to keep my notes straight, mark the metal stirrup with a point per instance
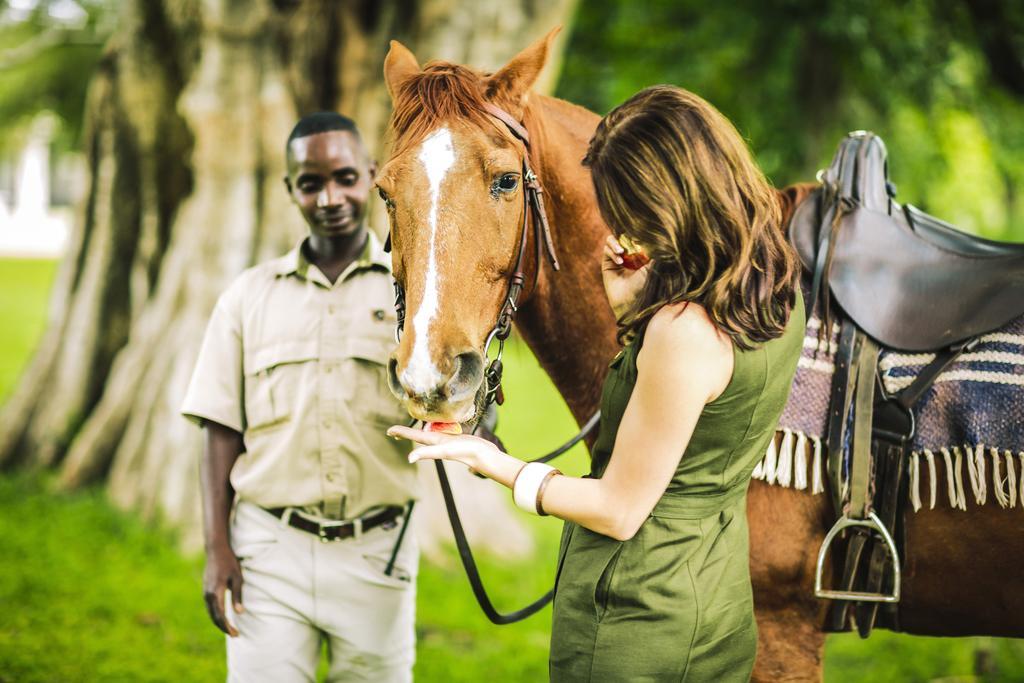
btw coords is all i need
(874, 524)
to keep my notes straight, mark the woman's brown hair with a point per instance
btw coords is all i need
(674, 175)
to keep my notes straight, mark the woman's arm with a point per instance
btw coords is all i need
(684, 363)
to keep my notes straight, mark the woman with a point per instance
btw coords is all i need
(653, 581)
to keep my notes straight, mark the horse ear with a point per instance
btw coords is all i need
(510, 85)
(399, 66)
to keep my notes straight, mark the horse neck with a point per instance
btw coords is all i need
(566, 321)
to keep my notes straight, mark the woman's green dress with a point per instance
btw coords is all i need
(674, 602)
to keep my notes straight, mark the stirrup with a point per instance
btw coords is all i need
(875, 524)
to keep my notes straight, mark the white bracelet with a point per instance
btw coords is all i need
(527, 485)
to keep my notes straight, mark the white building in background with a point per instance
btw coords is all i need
(34, 222)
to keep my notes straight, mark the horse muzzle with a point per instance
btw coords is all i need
(445, 394)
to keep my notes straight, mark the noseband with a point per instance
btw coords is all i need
(533, 204)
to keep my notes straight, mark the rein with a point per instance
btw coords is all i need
(533, 204)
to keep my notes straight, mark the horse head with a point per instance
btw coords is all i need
(453, 187)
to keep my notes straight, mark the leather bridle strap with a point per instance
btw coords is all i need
(534, 190)
(533, 203)
(590, 425)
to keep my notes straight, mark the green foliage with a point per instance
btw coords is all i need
(46, 64)
(796, 75)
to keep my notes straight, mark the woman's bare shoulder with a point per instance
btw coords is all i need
(684, 344)
(685, 325)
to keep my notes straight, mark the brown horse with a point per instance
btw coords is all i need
(453, 191)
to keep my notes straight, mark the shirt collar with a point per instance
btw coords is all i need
(372, 256)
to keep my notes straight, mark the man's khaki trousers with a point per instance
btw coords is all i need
(298, 592)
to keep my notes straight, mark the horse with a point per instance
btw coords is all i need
(453, 187)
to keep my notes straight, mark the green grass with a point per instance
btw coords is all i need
(88, 593)
(24, 289)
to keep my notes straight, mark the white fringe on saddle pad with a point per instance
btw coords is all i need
(786, 464)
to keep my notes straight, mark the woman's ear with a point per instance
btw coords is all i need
(509, 87)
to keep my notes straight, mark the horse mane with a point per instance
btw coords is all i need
(441, 92)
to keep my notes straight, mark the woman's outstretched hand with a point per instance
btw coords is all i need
(471, 451)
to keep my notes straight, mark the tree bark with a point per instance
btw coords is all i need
(186, 122)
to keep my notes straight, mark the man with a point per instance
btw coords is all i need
(290, 385)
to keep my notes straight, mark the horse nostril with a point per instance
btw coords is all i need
(467, 373)
(393, 384)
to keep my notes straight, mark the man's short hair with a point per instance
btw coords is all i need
(321, 122)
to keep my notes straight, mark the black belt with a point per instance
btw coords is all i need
(340, 530)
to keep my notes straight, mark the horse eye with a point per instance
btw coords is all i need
(508, 182)
(388, 202)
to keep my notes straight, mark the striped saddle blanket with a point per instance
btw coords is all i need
(970, 421)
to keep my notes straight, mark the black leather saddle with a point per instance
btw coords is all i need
(909, 280)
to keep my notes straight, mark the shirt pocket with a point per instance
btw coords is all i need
(274, 377)
(372, 400)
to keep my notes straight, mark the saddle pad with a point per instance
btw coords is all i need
(978, 400)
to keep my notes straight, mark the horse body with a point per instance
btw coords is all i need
(958, 564)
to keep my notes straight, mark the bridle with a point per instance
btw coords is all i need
(533, 205)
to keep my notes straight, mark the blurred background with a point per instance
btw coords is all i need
(141, 151)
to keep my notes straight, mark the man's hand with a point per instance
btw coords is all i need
(222, 573)
(223, 446)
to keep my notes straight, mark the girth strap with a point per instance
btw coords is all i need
(929, 373)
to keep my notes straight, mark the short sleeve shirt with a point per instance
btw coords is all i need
(297, 366)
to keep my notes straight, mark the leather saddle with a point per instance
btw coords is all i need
(909, 280)
(903, 280)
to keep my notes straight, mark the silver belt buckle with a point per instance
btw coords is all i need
(357, 529)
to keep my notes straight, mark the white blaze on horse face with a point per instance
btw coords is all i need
(437, 156)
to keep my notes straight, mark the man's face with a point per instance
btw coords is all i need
(329, 179)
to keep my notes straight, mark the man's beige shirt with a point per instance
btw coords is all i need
(297, 365)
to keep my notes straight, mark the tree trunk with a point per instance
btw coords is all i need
(186, 122)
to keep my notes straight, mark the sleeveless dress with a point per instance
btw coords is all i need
(674, 603)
